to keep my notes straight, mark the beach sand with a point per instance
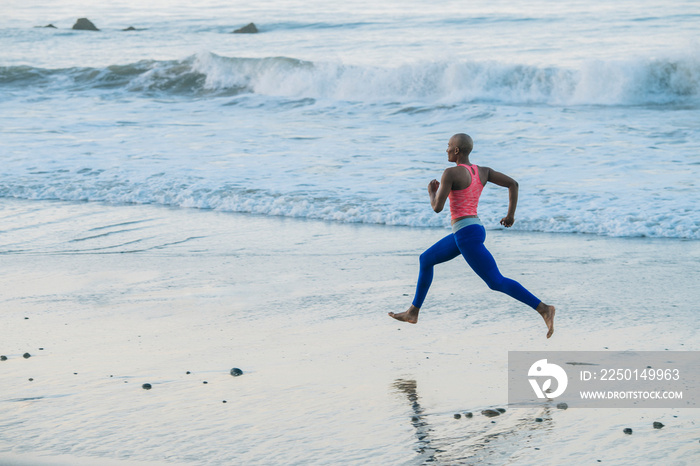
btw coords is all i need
(106, 299)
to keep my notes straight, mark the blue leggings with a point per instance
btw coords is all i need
(469, 241)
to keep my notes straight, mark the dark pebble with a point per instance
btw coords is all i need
(26, 355)
(3, 358)
(458, 416)
(31, 380)
(468, 414)
(188, 372)
(26, 318)
(41, 349)
(146, 386)
(415, 419)
(490, 413)
(205, 382)
(236, 372)
(658, 425)
(224, 401)
(501, 410)
(562, 406)
(538, 419)
(627, 430)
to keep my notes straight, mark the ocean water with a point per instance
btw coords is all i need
(343, 112)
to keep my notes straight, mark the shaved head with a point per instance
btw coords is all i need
(464, 142)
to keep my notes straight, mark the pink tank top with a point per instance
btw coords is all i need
(463, 202)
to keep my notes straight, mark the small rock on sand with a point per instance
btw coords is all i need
(26, 355)
(468, 414)
(146, 386)
(658, 425)
(538, 419)
(458, 416)
(3, 358)
(490, 413)
(236, 372)
(562, 406)
(627, 430)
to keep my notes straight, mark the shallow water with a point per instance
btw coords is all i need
(344, 114)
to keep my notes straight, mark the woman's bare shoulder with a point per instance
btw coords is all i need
(484, 173)
(458, 176)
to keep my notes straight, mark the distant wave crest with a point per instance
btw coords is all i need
(631, 82)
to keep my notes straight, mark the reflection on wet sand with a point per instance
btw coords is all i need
(418, 421)
(486, 436)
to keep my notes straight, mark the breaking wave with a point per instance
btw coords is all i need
(632, 82)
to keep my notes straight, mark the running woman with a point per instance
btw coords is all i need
(463, 184)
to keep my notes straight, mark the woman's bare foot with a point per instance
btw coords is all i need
(547, 313)
(410, 316)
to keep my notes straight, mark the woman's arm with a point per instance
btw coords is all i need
(507, 182)
(439, 192)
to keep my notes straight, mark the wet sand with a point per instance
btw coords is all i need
(105, 302)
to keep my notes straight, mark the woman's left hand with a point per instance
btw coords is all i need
(507, 221)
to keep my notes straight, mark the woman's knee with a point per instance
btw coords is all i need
(494, 281)
(426, 260)
(495, 285)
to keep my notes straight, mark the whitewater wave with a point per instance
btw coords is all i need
(572, 215)
(632, 82)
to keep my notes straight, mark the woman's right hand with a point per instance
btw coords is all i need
(433, 186)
